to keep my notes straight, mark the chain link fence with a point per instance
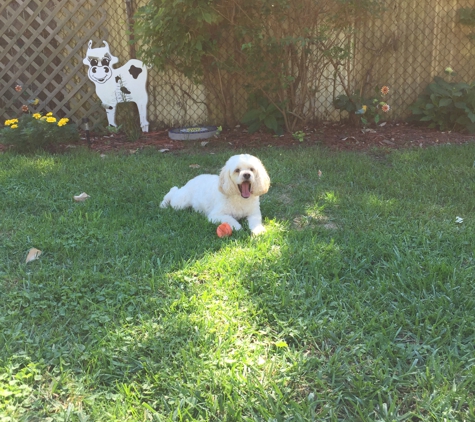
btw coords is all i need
(43, 43)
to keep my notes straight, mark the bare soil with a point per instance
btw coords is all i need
(335, 136)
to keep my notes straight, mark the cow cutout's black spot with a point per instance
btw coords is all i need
(135, 71)
(124, 90)
(117, 79)
(110, 108)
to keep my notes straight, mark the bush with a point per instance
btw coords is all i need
(273, 48)
(446, 106)
(33, 131)
(263, 113)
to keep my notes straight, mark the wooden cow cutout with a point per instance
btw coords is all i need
(122, 85)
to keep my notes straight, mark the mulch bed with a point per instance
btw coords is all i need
(335, 136)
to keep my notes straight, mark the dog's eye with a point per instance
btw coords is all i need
(251, 169)
(237, 171)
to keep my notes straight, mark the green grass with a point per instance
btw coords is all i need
(357, 304)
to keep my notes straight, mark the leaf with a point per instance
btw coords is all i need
(281, 344)
(461, 105)
(33, 254)
(254, 127)
(445, 102)
(82, 197)
(271, 122)
(208, 18)
(251, 116)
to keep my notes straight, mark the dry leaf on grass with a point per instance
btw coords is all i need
(33, 254)
(82, 197)
(195, 166)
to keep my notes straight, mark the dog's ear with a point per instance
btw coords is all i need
(226, 184)
(262, 183)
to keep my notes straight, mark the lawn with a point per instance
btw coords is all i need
(357, 304)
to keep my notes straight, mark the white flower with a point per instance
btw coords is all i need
(459, 220)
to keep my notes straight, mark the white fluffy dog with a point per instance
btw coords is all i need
(226, 198)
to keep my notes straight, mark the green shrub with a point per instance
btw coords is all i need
(33, 131)
(263, 113)
(446, 106)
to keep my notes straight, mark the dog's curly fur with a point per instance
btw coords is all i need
(226, 198)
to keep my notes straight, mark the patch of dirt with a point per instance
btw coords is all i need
(335, 136)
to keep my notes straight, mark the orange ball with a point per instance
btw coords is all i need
(224, 230)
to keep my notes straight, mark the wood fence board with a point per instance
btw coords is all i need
(44, 54)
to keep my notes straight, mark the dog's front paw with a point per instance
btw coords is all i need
(235, 226)
(258, 230)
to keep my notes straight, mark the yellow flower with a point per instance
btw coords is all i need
(49, 114)
(51, 119)
(14, 126)
(37, 116)
(10, 122)
(63, 121)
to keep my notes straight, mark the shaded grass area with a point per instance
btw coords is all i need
(357, 304)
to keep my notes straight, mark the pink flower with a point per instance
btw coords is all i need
(385, 108)
(384, 90)
(18, 88)
(24, 108)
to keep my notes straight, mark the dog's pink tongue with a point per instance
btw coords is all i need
(245, 189)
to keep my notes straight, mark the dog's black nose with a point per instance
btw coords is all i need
(246, 176)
